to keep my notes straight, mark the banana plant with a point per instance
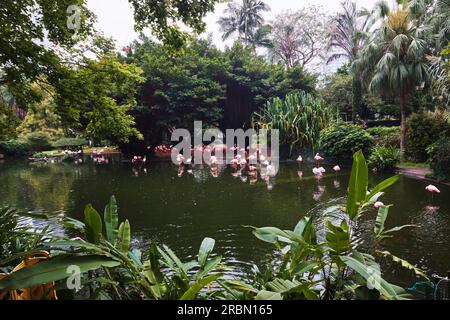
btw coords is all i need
(333, 268)
(111, 268)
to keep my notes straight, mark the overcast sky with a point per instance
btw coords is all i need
(115, 17)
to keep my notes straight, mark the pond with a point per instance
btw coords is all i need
(180, 210)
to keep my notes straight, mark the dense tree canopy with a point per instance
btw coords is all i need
(222, 89)
(299, 37)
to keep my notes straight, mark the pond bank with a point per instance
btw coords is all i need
(421, 173)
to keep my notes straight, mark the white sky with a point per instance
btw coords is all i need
(115, 17)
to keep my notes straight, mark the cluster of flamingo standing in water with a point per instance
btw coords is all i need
(245, 165)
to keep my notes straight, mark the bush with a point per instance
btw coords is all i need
(38, 141)
(14, 148)
(343, 140)
(439, 154)
(385, 136)
(423, 129)
(384, 158)
(70, 143)
(299, 118)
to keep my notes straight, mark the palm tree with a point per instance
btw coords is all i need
(242, 19)
(350, 31)
(261, 38)
(395, 60)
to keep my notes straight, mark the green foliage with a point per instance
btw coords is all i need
(14, 148)
(343, 139)
(41, 116)
(222, 89)
(384, 158)
(244, 19)
(8, 122)
(395, 61)
(69, 143)
(423, 129)
(179, 90)
(334, 268)
(337, 92)
(299, 118)
(16, 238)
(439, 153)
(441, 79)
(29, 29)
(385, 136)
(38, 141)
(96, 98)
(358, 185)
(116, 270)
(163, 18)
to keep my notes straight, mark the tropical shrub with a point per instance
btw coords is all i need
(16, 238)
(439, 153)
(116, 270)
(38, 141)
(310, 268)
(70, 143)
(14, 148)
(343, 140)
(423, 129)
(385, 136)
(384, 158)
(331, 265)
(299, 118)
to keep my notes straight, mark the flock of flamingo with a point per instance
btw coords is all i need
(245, 166)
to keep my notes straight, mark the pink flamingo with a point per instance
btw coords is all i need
(318, 158)
(336, 169)
(432, 189)
(317, 172)
(378, 204)
(299, 159)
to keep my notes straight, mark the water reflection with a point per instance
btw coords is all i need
(180, 205)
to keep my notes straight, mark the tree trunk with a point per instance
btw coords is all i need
(402, 124)
(357, 97)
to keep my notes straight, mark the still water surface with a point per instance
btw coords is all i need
(180, 210)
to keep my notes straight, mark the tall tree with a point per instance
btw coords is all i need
(31, 31)
(261, 38)
(243, 19)
(298, 37)
(395, 60)
(347, 36)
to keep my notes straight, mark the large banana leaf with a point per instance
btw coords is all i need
(357, 187)
(124, 237)
(111, 218)
(195, 288)
(53, 270)
(387, 290)
(382, 214)
(93, 224)
(268, 295)
(206, 248)
(403, 263)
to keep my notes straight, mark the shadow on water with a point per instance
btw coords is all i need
(181, 208)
